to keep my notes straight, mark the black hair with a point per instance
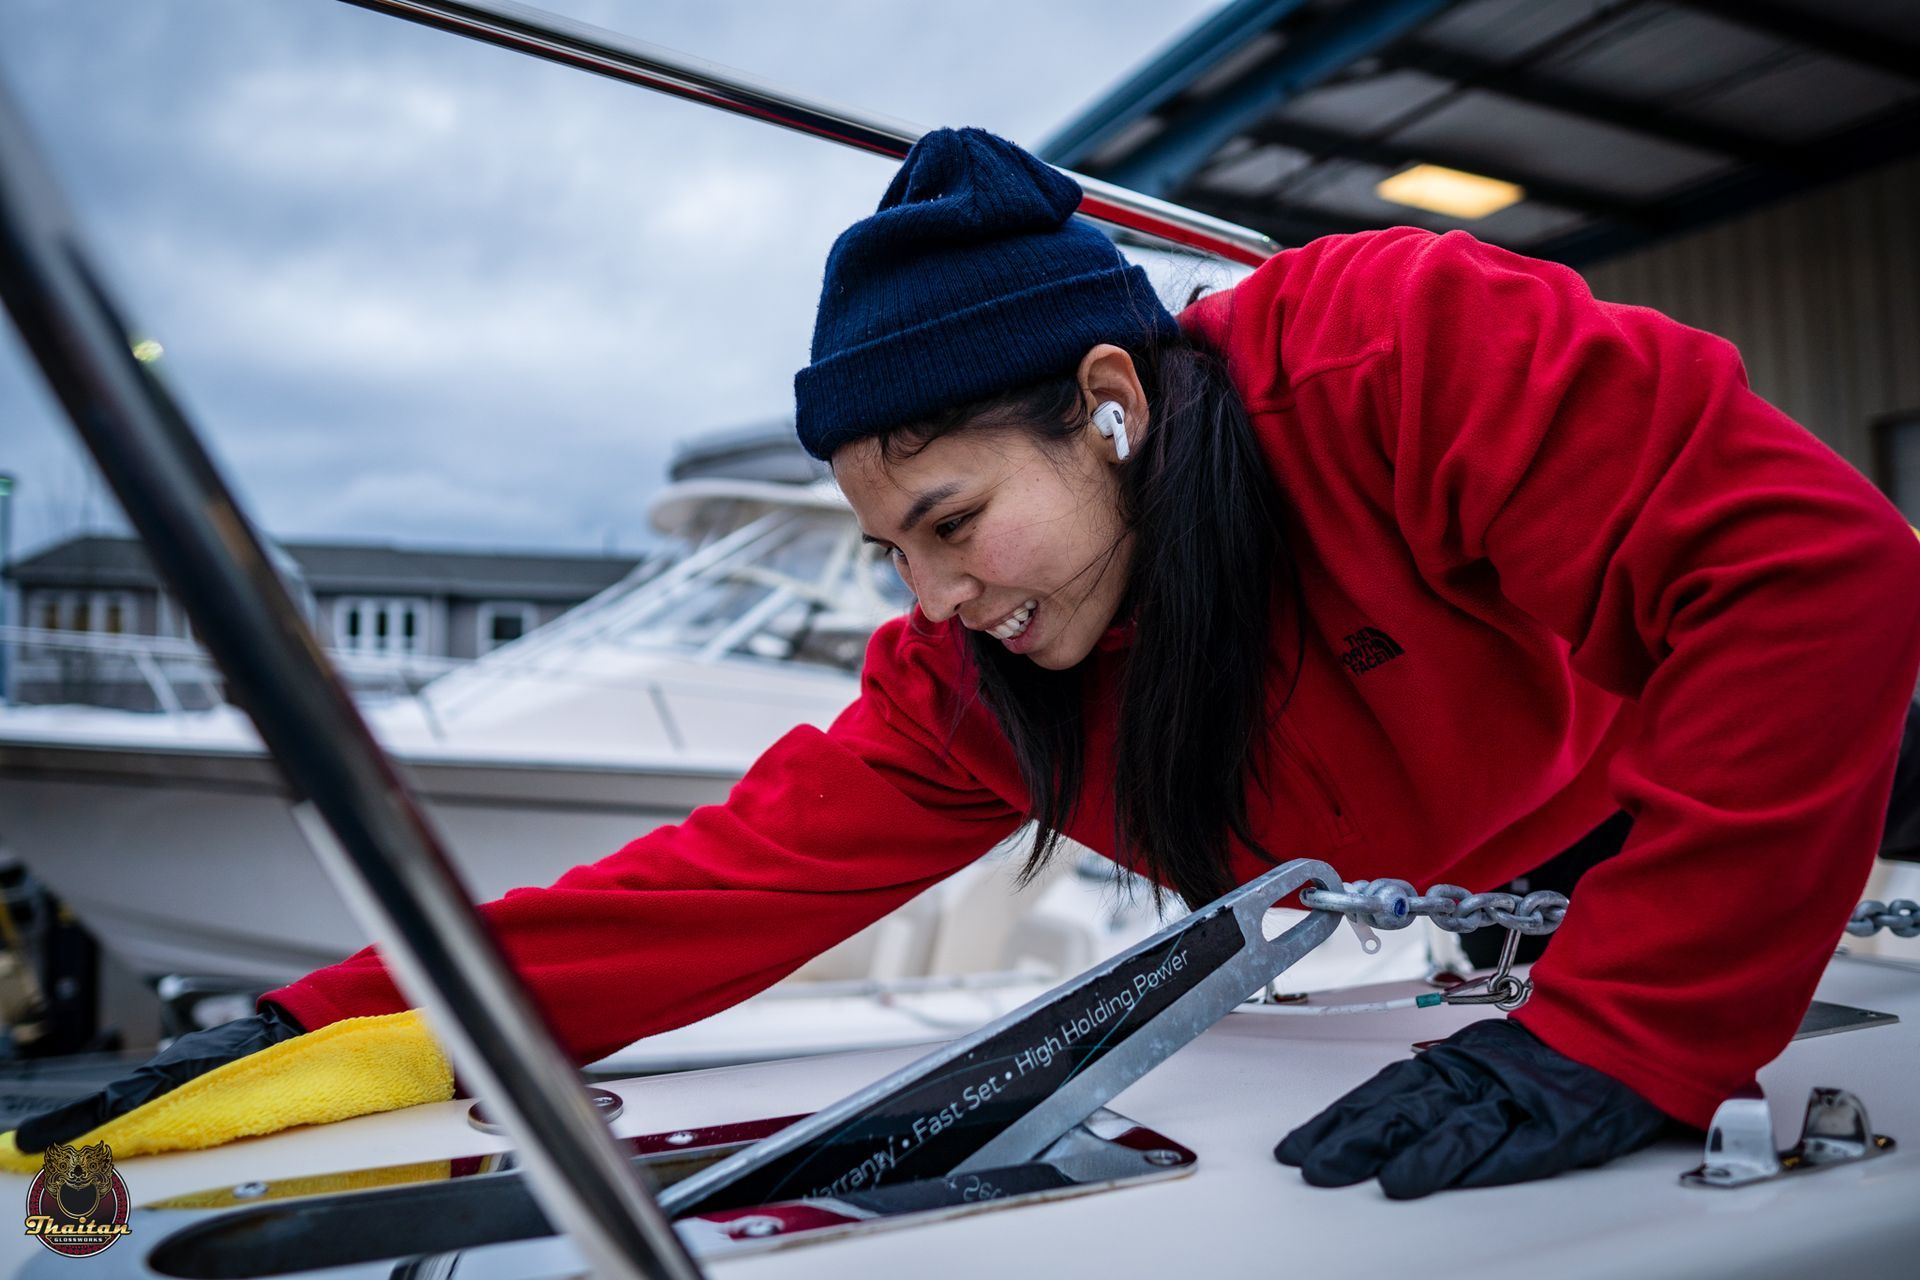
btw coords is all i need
(1209, 559)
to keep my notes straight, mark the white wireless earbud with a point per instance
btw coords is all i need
(1110, 420)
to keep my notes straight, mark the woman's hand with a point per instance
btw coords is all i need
(191, 1055)
(1490, 1104)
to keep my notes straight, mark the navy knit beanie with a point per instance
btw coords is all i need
(972, 278)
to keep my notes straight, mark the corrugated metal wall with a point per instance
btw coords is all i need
(1821, 294)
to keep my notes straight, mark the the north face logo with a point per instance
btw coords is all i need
(1367, 648)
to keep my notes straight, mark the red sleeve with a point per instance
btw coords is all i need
(825, 834)
(1701, 553)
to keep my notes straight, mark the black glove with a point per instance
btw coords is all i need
(191, 1055)
(1488, 1105)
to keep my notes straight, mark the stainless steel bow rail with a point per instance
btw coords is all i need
(1006, 1092)
(213, 562)
(539, 34)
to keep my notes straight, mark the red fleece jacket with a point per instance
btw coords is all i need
(1558, 561)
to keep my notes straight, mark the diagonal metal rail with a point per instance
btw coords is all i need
(532, 31)
(213, 562)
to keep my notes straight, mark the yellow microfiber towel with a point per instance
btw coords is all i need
(353, 1067)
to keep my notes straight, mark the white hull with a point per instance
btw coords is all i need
(1229, 1096)
(170, 836)
(188, 861)
(183, 857)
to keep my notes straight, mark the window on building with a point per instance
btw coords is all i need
(380, 625)
(503, 622)
(1897, 449)
(108, 612)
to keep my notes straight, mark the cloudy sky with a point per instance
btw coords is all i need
(416, 288)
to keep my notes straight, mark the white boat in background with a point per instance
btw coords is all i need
(169, 835)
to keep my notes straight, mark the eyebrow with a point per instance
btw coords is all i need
(925, 503)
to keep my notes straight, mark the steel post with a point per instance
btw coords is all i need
(525, 29)
(212, 559)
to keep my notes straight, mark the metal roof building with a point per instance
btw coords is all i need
(1747, 166)
(1619, 122)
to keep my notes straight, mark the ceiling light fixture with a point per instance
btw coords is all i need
(1453, 192)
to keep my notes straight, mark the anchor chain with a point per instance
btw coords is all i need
(1901, 917)
(1393, 904)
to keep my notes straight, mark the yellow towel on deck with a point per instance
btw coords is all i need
(353, 1067)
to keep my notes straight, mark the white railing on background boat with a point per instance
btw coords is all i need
(38, 657)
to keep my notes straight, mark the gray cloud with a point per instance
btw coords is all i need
(417, 288)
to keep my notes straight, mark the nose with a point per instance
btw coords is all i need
(941, 592)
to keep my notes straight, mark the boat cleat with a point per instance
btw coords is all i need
(1740, 1144)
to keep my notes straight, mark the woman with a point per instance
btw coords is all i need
(1405, 553)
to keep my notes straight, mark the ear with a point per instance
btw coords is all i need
(1107, 373)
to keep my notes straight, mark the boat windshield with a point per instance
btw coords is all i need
(793, 584)
(806, 591)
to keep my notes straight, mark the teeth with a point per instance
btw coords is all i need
(1016, 624)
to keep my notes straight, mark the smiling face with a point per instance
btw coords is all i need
(1014, 535)
(1017, 534)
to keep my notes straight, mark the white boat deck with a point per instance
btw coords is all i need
(1229, 1097)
